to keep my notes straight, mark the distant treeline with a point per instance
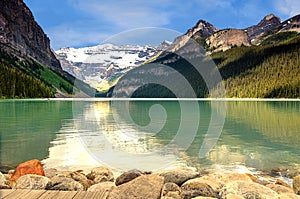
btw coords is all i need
(269, 70)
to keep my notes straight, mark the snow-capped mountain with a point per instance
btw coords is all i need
(100, 65)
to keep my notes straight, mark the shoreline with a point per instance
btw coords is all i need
(176, 183)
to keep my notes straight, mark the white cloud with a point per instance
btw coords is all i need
(68, 36)
(288, 7)
(128, 14)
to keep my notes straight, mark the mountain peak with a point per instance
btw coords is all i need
(202, 29)
(271, 16)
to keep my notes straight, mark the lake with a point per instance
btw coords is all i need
(151, 135)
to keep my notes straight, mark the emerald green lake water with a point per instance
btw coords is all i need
(84, 134)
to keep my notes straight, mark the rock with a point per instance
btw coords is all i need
(247, 190)
(87, 184)
(78, 176)
(102, 187)
(296, 184)
(101, 174)
(171, 190)
(31, 181)
(281, 182)
(49, 173)
(215, 184)
(64, 184)
(288, 196)
(5, 168)
(203, 197)
(195, 187)
(29, 167)
(128, 176)
(145, 186)
(235, 177)
(179, 175)
(4, 184)
(280, 189)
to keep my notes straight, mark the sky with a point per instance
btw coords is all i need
(80, 23)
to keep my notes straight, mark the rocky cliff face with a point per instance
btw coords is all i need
(268, 23)
(226, 39)
(292, 24)
(21, 36)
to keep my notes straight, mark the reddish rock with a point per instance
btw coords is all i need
(29, 167)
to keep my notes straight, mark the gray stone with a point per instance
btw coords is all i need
(145, 186)
(179, 175)
(31, 181)
(78, 176)
(64, 184)
(128, 176)
(102, 187)
(296, 184)
(49, 173)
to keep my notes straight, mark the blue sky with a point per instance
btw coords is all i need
(78, 23)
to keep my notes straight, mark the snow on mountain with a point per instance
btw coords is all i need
(102, 64)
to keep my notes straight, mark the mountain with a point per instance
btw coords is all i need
(28, 65)
(21, 35)
(100, 66)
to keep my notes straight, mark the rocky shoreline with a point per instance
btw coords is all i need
(177, 183)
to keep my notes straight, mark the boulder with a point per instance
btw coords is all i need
(4, 184)
(179, 175)
(31, 181)
(215, 184)
(171, 190)
(195, 187)
(296, 184)
(29, 167)
(87, 184)
(145, 186)
(288, 196)
(128, 176)
(247, 190)
(101, 174)
(5, 168)
(102, 187)
(280, 188)
(281, 182)
(64, 184)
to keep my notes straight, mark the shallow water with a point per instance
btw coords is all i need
(150, 135)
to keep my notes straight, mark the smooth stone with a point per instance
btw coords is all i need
(64, 184)
(171, 190)
(4, 184)
(215, 183)
(179, 175)
(145, 186)
(195, 187)
(288, 196)
(29, 167)
(128, 176)
(247, 190)
(31, 181)
(100, 174)
(296, 184)
(49, 173)
(102, 187)
(280, 188)
(87, 184)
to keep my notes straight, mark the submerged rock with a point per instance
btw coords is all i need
(64, 184)
(179, 175)
(101, 174)
(31, 181)
(145, 186)
(29, 167)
